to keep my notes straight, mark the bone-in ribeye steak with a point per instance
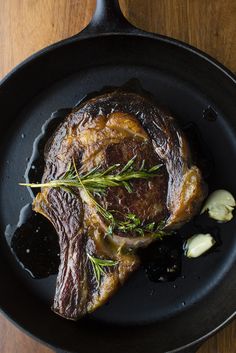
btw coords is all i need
(105, 130)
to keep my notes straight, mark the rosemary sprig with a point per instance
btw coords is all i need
(98, 266)
(132, 223)
(96, 180)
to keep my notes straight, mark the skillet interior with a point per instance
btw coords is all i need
(187, 84)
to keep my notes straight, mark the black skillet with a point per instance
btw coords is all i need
(143, 316)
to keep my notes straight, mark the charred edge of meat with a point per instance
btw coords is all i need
(102, 131)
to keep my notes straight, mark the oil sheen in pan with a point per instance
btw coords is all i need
(34, 240)
(34, 243)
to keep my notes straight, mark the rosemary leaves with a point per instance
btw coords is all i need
(98, 266)
(132, 223)
(96, 180)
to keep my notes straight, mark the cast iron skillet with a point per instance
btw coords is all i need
(110, 52)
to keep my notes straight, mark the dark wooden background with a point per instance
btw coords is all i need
(29, 25)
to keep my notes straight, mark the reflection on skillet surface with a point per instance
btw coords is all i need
(198, 223)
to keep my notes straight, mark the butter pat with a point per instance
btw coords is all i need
(220, 205)
(198, 244)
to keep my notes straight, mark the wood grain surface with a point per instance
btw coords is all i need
(29, 25)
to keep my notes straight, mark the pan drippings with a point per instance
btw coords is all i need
(35, 244)
(162, 261)
(34, 240)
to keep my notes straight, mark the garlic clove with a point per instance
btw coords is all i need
(220, 205)
(198, 244)
(221, 213)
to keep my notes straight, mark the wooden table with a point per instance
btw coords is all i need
(29, 25)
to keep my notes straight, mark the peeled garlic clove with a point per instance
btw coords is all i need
(220, 205)
(198, 244)
(221, 213)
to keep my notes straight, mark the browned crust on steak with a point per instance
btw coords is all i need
(105, 130)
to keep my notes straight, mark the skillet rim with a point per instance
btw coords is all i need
(139, 33)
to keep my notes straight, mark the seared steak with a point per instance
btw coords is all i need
(109, 129)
